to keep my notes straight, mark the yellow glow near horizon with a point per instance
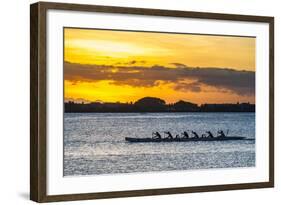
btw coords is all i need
(105, 91)
(123, 48)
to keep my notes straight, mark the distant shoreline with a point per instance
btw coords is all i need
(154, 105)
(170, 112)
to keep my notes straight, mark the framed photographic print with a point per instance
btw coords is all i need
(134, 102)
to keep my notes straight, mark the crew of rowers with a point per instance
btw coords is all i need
(157, 135)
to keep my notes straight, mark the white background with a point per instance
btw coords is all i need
(14, 102)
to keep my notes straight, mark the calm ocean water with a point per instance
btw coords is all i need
(94, 142)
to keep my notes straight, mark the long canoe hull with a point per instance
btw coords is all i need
(131, 139)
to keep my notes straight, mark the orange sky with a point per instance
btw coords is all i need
(111, 66)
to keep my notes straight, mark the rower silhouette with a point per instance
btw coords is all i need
(195, 135)
(156, 135)
(210, 135)
(170, 136)
(221, 134)
(185, 135)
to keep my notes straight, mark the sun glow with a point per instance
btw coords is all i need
(110, 48)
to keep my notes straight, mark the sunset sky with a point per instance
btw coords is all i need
(123, 66)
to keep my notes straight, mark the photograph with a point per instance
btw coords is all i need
(147, 101)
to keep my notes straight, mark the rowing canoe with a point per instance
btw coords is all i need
(132, 139)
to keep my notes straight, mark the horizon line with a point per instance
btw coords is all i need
(131, 102)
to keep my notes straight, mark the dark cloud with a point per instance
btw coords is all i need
(184, 78)
(240, 82)
(185, 86)
(77, 100)
(179, 65)
(132, 62)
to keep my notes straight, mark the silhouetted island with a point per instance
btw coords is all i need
(152, 104)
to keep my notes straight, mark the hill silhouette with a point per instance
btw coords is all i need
(153, 104)
(150, 104)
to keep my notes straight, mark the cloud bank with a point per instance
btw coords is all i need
(182, 77)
